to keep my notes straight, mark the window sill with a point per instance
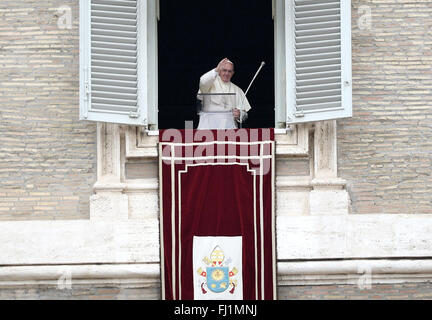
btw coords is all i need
(289, 142)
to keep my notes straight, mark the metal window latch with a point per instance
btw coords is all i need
(299, 114)
(87, 90)
(86, 84)
(133, 114)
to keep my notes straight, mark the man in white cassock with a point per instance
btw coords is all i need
(223, 103)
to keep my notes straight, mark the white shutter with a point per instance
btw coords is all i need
(113, 61)
(318, 53)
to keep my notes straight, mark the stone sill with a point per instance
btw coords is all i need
(145, 144)
(362, 273)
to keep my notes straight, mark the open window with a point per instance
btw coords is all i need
(129, 68)
(193, 36)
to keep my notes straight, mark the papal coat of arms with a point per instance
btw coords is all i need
(216, 275)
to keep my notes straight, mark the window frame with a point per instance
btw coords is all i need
(147, 59)
(85, 91)
(286, 14)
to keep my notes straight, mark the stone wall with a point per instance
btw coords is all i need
(397, 291)
(80, 292)
(385, 149)
(48, 160)
(47, 156)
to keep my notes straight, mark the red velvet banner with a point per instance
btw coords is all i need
(217, 190)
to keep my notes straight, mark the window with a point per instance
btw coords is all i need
(193, 38)
(314, 56)
(119, 61)
(114, 62)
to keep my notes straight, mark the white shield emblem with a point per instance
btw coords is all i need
(217, 265)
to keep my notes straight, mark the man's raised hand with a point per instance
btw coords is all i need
(221, 63)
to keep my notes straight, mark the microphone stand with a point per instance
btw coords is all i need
(259, 69)
(250, 84)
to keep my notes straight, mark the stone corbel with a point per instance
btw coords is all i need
(109, 201)
(109, 169)
(328, 195)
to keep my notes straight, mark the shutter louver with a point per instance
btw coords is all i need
(113, 72)
(319, 60)
(114, 56)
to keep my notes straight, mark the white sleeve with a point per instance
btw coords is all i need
(206, 80)
(243, 103)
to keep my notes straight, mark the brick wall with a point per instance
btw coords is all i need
(47, 156)
(80, 292)
(399, 291)
(385, 150)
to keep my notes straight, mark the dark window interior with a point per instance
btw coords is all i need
(194, 35)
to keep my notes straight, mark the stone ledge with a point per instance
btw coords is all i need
(361, 272)
(353, 236)
(131, 186)
(290, 273)
(293, 142)
(142, 275)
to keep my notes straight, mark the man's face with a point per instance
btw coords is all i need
(226, 72)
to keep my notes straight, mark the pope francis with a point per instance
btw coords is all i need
(223, 103)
